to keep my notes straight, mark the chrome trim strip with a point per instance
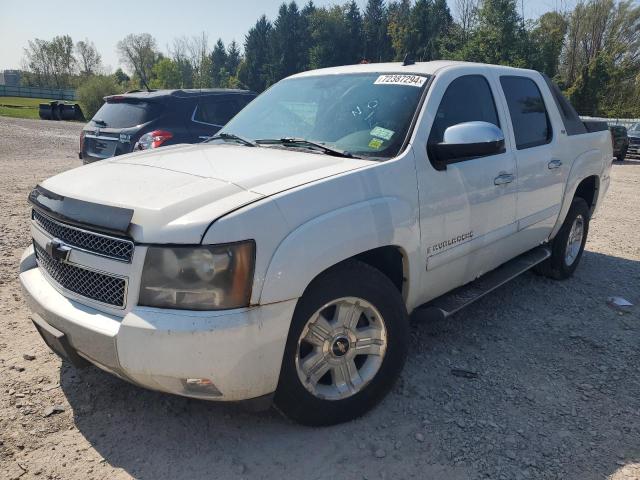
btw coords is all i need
(89, 232)
(113, 139)
(82, 298)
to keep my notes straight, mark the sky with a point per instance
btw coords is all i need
(105, 23)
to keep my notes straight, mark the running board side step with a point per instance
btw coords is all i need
(457, 299)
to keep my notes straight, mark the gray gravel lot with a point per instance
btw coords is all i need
(557, 393)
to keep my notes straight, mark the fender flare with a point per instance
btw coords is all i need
(335, 236)
(588, 164)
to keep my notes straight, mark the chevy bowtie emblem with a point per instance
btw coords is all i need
(58, 250)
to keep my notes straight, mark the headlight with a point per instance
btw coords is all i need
(198, 278)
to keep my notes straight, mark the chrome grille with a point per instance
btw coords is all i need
(104, 245)
(87, 283)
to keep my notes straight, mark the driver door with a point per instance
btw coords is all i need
(468, 207)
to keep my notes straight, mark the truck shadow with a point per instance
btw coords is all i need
(539, 379)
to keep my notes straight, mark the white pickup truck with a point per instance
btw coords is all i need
(280, 260)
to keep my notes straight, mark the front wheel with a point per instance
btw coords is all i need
(568, 245)
(347, 345)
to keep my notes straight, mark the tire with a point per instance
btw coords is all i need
(325, 400)
(621, 155)
(561, 264)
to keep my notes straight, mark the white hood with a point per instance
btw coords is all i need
(176, 192)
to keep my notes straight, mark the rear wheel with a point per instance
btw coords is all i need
(346, 346)
(621, 155)
(568, 245)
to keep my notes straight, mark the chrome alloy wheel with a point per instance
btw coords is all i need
(574, 242)
(341, 348)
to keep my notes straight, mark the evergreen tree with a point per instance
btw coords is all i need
(377, 45)
(499, 36)
(288, 32)
(256, 68)
(353, 23)
(329, 34)
(219, 64)
(233, 58)
(399, 28)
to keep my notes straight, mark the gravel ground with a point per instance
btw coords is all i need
(557, 393)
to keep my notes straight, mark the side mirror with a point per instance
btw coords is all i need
(465, 141)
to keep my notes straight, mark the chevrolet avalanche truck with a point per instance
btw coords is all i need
(280, 261)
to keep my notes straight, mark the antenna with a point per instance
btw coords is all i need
(408, 60)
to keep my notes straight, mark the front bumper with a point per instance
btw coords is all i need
(238, 351)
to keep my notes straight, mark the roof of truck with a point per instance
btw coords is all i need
(424, 68)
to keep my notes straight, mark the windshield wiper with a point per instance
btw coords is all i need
(301, 142)
(234, 137)
(99, 122)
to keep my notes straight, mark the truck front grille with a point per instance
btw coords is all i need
(96, 286)
(112, 247)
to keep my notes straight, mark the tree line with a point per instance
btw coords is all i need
(591, 51)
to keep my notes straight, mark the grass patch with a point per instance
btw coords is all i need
(20, 107)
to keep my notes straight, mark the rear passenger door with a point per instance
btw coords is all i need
(541, 171)
(214, 111)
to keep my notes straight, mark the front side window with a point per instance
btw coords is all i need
(366, 114)
(467, 99)
(529, 117)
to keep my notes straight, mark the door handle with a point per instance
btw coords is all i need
(553, 164)
(504, 178)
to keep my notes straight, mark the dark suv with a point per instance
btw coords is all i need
(634, 140)
(143, 120)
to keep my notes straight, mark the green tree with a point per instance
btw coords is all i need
(430, 23)
(92, 91)
(329, 34)
(587, 92)
(121, 77)
(166, 74)
(353, 24)
(50, 63)
(88, 58)
(289, 30)
(399, 28)
(499, 36)
(218, 65)
(547, 40)
(377, 45)
(255, 71)
(233, 58)
(140, 53)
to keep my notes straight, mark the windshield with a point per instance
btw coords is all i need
(125, 114)
(635, 128)
(366, 115)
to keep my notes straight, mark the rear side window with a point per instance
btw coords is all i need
(529, 116)
(218, 111)
(467, 99)
(572, 123)
(126, 114)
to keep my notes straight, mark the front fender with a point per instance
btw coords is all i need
(338, 235)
